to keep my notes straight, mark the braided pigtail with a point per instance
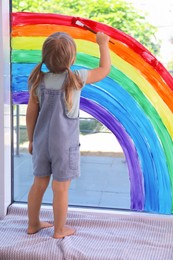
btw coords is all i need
(73, 81)
(35, 78)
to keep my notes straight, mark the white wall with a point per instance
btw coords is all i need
(5, 109)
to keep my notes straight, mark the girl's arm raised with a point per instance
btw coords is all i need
(103, 70)
(31, 119)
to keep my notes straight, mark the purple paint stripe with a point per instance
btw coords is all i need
(135, 173)
(19, 98)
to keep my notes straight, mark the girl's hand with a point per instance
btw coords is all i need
(30, 148)
(102, 39)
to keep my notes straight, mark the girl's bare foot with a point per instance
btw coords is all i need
(34, 229)
(66, 231)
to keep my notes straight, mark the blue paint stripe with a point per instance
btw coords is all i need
(141, 138)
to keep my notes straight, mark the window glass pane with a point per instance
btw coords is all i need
(104, 180)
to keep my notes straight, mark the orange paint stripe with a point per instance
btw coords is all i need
(119, 48)
(46, 30)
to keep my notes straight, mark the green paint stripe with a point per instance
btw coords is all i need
(23, 56)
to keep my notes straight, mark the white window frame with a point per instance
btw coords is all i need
(5, 109)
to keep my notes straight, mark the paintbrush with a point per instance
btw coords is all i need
(79, 23)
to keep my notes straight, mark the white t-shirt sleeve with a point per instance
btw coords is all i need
(83, 74)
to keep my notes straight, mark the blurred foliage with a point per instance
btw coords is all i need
(91, 125)
(116, 13)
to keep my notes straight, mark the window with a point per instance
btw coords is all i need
(135, 102)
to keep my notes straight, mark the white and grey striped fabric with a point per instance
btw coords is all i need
(98, 237)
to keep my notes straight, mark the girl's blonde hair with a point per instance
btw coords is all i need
(58, 54)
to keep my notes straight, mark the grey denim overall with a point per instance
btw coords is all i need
(56, 138)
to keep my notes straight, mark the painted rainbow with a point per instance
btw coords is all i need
(134, 101)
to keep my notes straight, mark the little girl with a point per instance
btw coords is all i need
(53, 125)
